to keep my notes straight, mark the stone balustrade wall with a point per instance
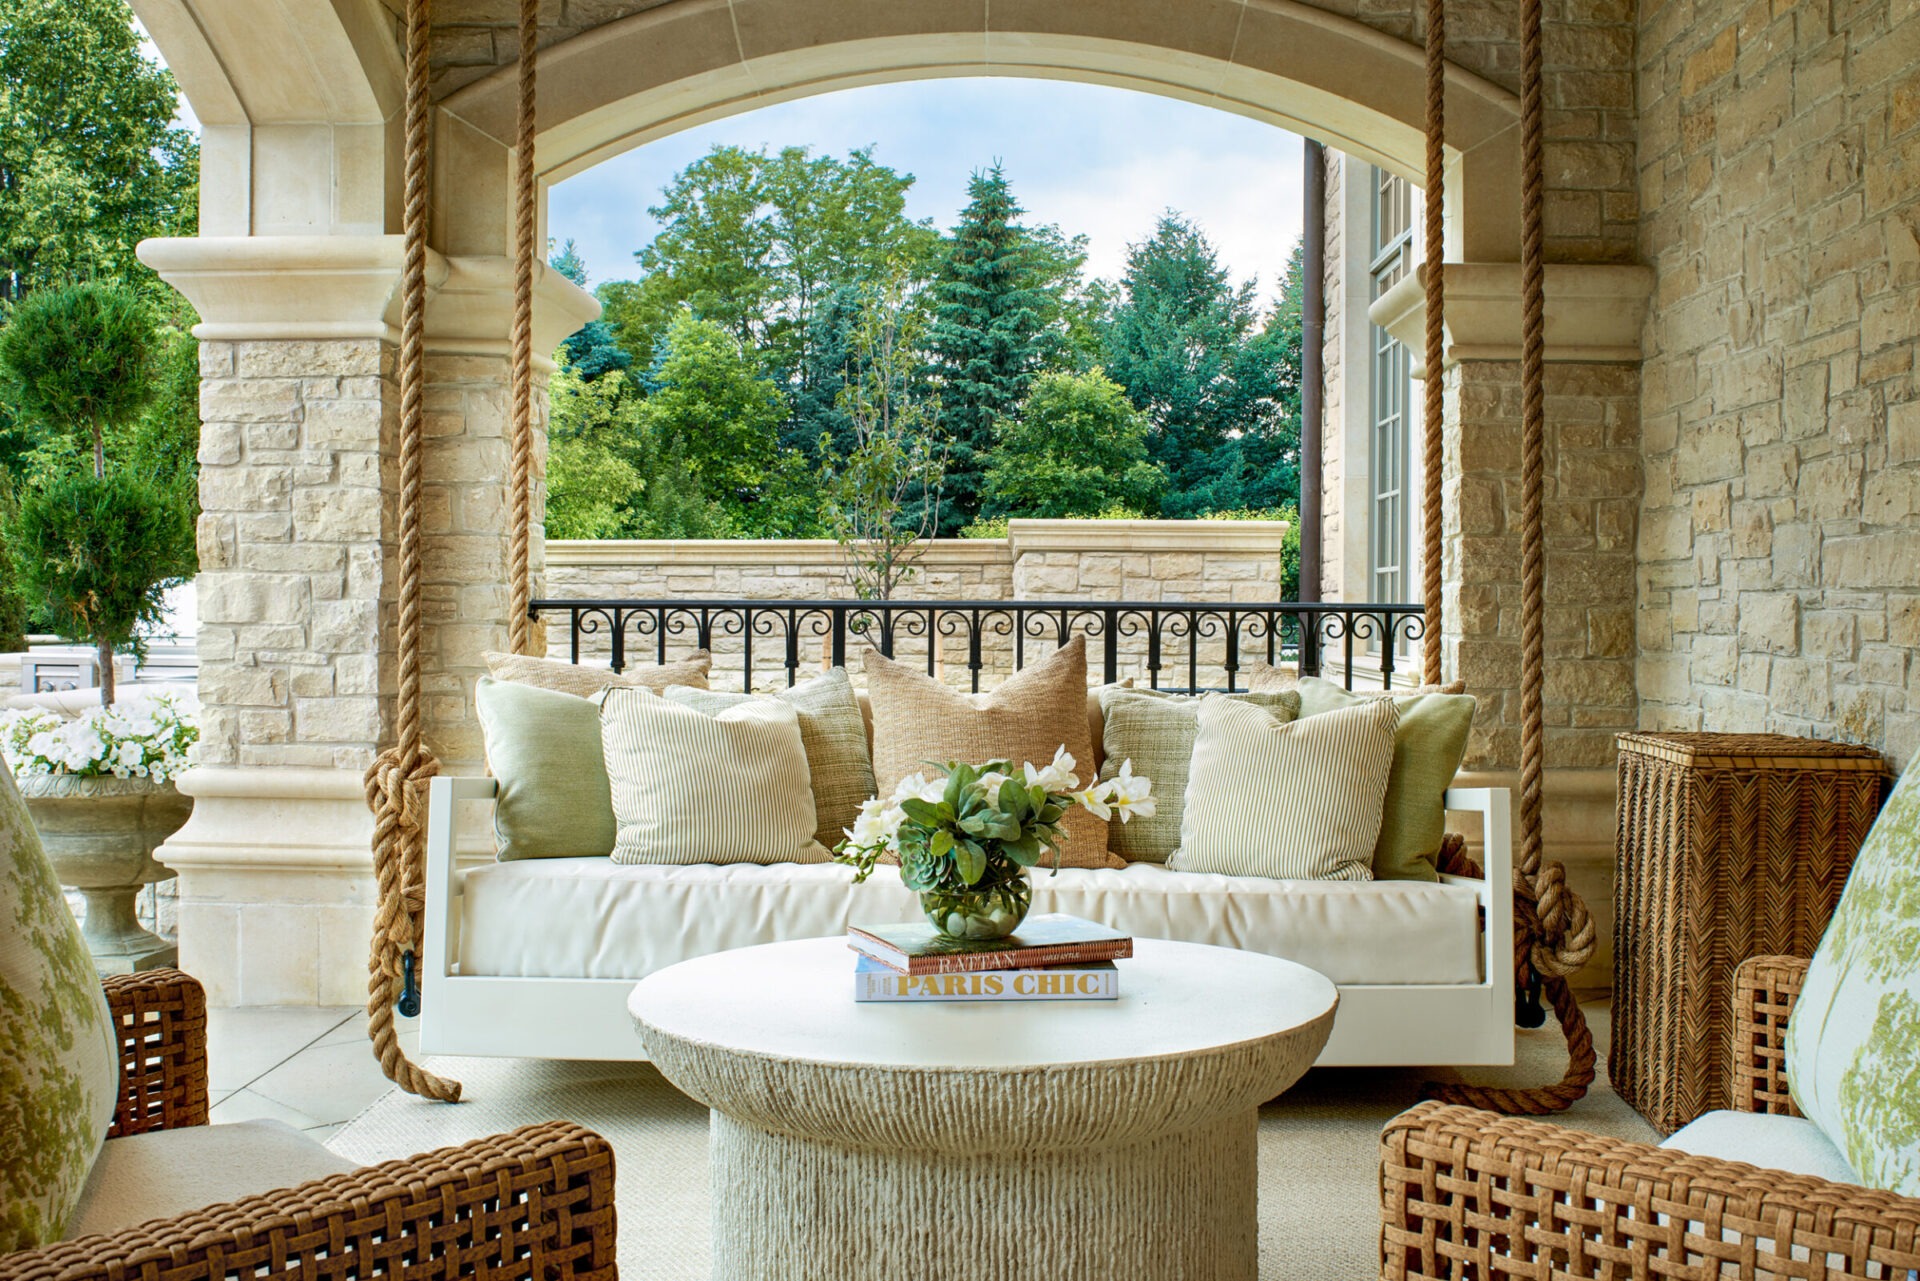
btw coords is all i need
(1147, 561)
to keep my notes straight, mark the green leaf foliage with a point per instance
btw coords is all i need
(91, 162)
(98, 553)
(1075, 447)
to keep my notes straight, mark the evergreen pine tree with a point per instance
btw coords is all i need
(988, 336)
(1187, 344)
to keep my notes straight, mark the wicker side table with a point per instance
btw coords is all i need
(1730, 846)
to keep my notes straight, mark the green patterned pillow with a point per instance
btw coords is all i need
(1156, 732)
(59, 1057)
(1427, 749)
(1853, 1042)
(834, 734)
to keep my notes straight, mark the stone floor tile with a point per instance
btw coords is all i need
(330, 1083)
(245, 1105)
(245, 1041)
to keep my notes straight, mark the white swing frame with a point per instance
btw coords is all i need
(1401, 1025)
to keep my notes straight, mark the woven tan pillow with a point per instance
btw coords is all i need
(916, 719)
(584, 681)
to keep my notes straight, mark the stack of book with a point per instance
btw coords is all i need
(1052, 957)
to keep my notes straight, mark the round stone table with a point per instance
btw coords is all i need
(1042, 1140)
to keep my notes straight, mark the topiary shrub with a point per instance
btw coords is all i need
(78, 360)
(99, 552)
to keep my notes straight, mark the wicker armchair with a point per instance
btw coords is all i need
(1471, 1194)
(536, 1202)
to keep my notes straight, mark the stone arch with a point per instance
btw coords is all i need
(643, 76)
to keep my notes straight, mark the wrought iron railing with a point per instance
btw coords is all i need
(1124, 638)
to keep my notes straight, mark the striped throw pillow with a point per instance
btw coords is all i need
(689, 787)
(1298, 800)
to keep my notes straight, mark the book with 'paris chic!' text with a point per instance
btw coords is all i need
(1050, 939)
(1098, 981)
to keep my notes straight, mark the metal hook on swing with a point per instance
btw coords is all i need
(408, 1005)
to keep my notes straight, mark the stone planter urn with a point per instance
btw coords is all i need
(100, 834)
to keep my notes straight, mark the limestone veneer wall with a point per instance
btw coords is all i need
(1211, 561)
(1779, 553)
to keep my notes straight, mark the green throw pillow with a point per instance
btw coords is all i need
(1853, 1040)
(544, 750)
(59, 1055)
(1156, 732)
(832, 731)
(1293, 799)
(1427, 749)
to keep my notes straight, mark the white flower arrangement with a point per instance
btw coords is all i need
(138, 737)
(982, 816)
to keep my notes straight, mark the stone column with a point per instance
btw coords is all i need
(298, 546)
(1591, 517)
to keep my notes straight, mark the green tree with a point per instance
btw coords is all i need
(883, 495)
(590, 349)
(1077, 447)
(1188, 346)
(717, 411)
(755, 241)
(91, 162)
(991, 311)
(98, 553)
(610, 476)
(13, 605)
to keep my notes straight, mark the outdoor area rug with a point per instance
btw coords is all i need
(1319, 1148)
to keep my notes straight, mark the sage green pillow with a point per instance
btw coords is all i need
(835, 738)
(544, 750)
(1853, 1040)
(59, 1055)
(1427, 749)
(1156, 732)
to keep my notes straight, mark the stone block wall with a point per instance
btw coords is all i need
(1779, 168)
(297, 479)
(1592, 485)
(1102, 561)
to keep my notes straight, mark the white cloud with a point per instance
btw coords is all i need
(1099, 161)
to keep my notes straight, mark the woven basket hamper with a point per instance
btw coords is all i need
(1730, 846)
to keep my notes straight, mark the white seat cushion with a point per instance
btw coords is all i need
(167, 1172)
(592, 918)
(1790, 1143)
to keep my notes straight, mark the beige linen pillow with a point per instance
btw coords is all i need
(1156, 732)
(1266, 678)
(693, 788)
(584, 680)
(1298, 800)
(917, 720)
(835, 738)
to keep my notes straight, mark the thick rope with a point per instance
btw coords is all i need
(1433, 401)
(520, 479)
(1554, 933)
(396, 781)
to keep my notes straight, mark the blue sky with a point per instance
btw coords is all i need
(1099, 161)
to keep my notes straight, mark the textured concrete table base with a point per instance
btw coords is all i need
(998, 1141)
(1178, 1206)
